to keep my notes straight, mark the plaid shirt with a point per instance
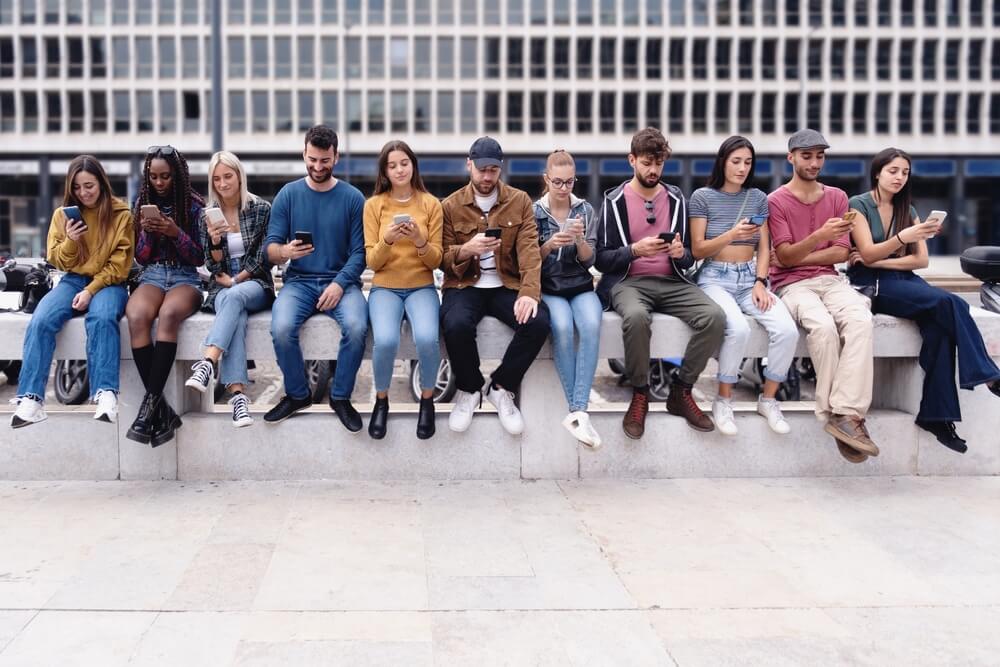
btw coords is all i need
(152, 247)
(253, 228)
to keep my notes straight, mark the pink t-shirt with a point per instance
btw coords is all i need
(635, 205)
(791, 221)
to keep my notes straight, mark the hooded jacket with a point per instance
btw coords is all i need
(562, 269)
(110, 256)
(614, 254)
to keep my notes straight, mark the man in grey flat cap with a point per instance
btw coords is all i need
(810, 232)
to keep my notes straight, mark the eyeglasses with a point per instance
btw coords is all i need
(559, 183)
(160, 150)
(650, 215)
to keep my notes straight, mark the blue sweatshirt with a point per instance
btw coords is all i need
(335, 220)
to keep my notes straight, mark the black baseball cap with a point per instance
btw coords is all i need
(486, 152)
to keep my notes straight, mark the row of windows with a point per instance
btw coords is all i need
(305, 57)
(931, 13)
(448, 112)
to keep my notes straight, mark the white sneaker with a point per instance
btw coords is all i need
(510, 416)
(461, 413)
(202, 374)
(107, 406)
(722, 414)
(29, 411)
(241, 410)
(579, 426)
(770, 408)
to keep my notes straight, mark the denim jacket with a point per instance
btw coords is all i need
(562, 270)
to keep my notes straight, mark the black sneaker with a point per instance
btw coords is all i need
(994, 387)
(349, 417)
(946, 434)
(285, 408)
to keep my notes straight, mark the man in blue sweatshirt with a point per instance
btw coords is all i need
(324, 275)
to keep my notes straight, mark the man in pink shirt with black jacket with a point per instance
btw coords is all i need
(643, 247)
(809, 234)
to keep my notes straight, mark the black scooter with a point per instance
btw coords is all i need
(983, 262)
(33, 282)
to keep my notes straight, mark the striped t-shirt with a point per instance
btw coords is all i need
(721, 208)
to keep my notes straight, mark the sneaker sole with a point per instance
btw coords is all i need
(240, 423)
(194, 384)
(17, 422)
(853, 442)
(135, 437)
(104, 418)
(849, 453)
(290, 414)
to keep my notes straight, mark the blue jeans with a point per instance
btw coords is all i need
(232, 306)
(385, 308)
(731, 286)
(575, 319)
(101, 323)
(168, 276)
(296, 302)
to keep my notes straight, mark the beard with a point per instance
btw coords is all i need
(805, 175)
(320, 176)
(484, 189)
(649, 181)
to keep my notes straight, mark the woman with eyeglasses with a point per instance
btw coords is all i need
(729, 232)
(166, 214)
(241, 280)
(91, 239)
(891, 242)
(566, 235)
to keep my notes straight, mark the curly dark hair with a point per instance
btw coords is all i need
(183, 194)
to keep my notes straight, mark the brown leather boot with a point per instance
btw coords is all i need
(680, 402)
(634, 422)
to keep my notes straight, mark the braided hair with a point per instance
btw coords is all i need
(183, 194)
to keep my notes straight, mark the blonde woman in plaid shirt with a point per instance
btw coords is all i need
(241, 281)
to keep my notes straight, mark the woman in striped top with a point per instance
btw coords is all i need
(729, 231)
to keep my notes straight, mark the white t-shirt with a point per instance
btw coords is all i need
(488, 276)
(235, 242)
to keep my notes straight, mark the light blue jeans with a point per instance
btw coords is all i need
(101, 323)
(229, 330)
(385, 309)
(575, 319)
(731, 286)
(296, 302)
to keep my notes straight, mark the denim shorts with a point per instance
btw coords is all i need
(168, 276)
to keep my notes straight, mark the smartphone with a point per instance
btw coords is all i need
(150, 211)
(758, 219)
(305, 237)
(493, 233)
(401, 219)
(666, 237)
(215, 217)
(849, 216)
(940, 215)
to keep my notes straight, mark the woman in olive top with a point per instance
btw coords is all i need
(93, 243)
(403, 247)
(891, 244)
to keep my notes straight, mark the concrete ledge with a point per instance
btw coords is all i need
(67, 445)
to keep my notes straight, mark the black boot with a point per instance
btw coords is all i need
(425, 419)
(166, 424)
(946, 434)
(145, 423)
(380, 415)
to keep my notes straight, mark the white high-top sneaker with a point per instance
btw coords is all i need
(107, 406)
(770, 408)
(461, 414)
(29, 411)
(722, 414)
(510, 416)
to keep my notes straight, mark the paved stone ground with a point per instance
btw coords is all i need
(676, 572)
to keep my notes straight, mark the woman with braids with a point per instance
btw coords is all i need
(891, 242)
(90, 237)
(167, 214)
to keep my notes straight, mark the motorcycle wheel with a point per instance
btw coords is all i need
(319, 374)
(444, 383)
(71, 382)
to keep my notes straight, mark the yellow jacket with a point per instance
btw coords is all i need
(110, 254)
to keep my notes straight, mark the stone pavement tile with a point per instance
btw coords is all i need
(515, 638)
(333, 654)
(347, 555)
(543, 592)
(255, 512)
(222, 577)
(708, 588)
(78, 638)
(11, 624)
(191, 639)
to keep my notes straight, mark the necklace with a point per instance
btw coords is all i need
(404, 199)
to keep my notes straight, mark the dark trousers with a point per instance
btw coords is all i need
(945, 324)
(461, 311)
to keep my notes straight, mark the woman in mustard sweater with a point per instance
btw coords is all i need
(403, 246)
(90, 237)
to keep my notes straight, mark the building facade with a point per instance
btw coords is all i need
(111, 77)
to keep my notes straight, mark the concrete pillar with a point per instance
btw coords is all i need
(594, 193)
(777, 173)
(964, 225)
(44, 205)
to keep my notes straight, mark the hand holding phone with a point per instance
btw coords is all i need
(305, 238)
(492, 233)
(401, 219)
(76, 227)
(936, 216)
(758, 220)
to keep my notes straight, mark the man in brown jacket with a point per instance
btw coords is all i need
(491, 267)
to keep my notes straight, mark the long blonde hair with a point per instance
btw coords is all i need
(557, 158)
(228, 159)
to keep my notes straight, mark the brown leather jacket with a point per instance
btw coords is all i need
(518, 260)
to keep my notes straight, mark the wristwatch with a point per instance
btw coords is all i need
(763, 280)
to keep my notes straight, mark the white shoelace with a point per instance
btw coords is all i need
(241, 407)
(202, 372)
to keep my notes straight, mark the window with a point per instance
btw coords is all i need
(469, 57)
(192, 110)
(98, 111)
(699, 113)
(768, 108)
(791, 113)
(399, 57)
(330, 60)
(560, 58)
(723, 12)
(859, 115)
(515, 58)
(491, 55)
(861, 59)
(7, 115)
(630, 112)
(882, 113)
(745, 58)
(906, 56)
(560, 112)
(260, 110)
(330, 99)
(584, 12)
(538, 57)
(282, 12)
(699, 59)
(675, 123)
(838, 12)
(469, 13)
(29, 111)
(144, 110)
(860, 12)
(398, 15)
(6, 58)
(515, 111)
(306, 61)
(630, 12)
(976, 12)
(584, 112)
(29, 57)
(122, 58)
(236, 12)
(975, 60)
(608, 12)
(904, 114)
(144, 57)
(722, 104)
(951, 59)
(927, 103)
(307, 109)
(744, 113)
(282, 111)
(259, 57)
(950, 114)
(98, 12)
(906, 17)
(838, 57)
(746, 12)
(537, 110)
(699, 12)
(398, 111)
(814, 108)
(119, 12)
(123, 111)
(929, 60)
(722, 58)
(995, 113)
(445, 111)
(676, 58)
(883, 65)
(376, 16)
(791, 12)
(630, 58)
(422, 57)
(167, 58)
(282, 57)
(606, 111)
(654, 58)
(677, 12)
(769, 12)
(446, 60)
(53, 112)
(491, 13)
(995, 59)
(189, 47)
(930, 12)
(885, 12)
(585, 58)
(469, 112)
(491, 112)
(329, 14)
(421, 111)
(837, 113)
(515, 12)
(189, 13)
(607, 57)
(98, 63)
(769, 59)
(972, 110)
(446, 15)
(307, 16)
(537, 11)
(654, 109)
(168, 111)
(7, 18)
(814, 59)
(143, 13)
(792, 59)
(53, 58)
(376, 57)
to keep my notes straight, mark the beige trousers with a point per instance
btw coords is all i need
(838, 324)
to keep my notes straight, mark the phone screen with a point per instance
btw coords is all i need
(150, 211)
(72, 212)
(493, 233)
(758, 219)
(305, 237)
